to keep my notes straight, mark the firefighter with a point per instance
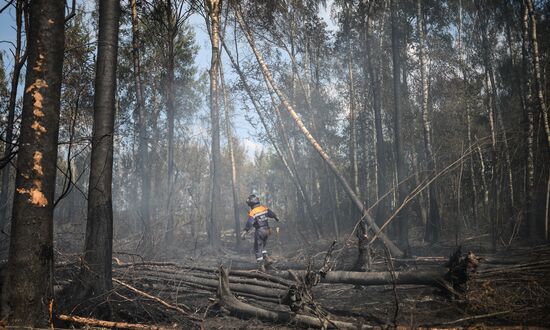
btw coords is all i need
(258, 218)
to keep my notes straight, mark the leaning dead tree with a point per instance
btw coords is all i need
(289, 163)
(298, 121)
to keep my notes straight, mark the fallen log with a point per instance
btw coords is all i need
(434, 277)
(254, 279)
(108, 324)
(255, 290)
(250, 273)
(243, 310)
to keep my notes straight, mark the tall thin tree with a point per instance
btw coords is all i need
(397, 121)
(529, 128)
(96, 270)
(214, 12)
(143, 152)
(432, 226)
(228, 107)
(19, 58)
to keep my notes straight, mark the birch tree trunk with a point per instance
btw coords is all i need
(538, 89)
(495, 189)
(28, 286)
(214, 11)
(537, 82)
(496, 111)
(349, 190)
(228, 106)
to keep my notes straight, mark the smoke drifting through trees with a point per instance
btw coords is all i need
(427, 119)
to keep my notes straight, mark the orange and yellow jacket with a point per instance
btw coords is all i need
(258, 217)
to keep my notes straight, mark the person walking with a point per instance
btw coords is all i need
(258, 218)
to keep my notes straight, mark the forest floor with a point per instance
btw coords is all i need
(509, 287)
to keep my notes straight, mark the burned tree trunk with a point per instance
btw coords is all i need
(468, 119)
(376, 83)
(364, 259)
(529, 130)
(28, 288)
(96, 269)
(403, 226)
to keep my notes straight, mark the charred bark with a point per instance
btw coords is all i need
(403, 226)
(434, 278)
(96, 269)
(529, 129)
(29, 281)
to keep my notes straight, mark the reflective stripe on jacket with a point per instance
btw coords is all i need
(258, 217)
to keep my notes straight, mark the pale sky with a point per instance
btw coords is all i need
(244, 131)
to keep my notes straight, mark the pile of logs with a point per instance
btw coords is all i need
(514, 285)
(511, 287)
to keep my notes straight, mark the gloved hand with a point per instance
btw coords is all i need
(277, 219)
(243, 235)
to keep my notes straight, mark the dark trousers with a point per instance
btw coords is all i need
(260, 241)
